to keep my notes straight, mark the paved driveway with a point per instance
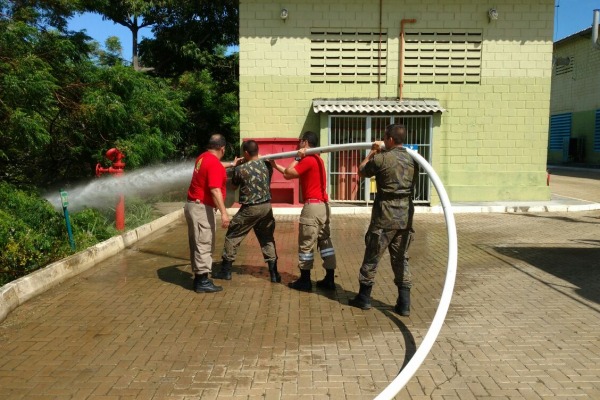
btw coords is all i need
(524, 321)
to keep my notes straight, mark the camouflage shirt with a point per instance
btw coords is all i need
(395, 174)
(254, 180)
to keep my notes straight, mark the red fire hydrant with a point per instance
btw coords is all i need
(116, 157)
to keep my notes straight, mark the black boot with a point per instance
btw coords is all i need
(303, 283)
(204, 285)
(225, 272)
(275, 277)
(403, 303)
(363, 299)
(328, 282)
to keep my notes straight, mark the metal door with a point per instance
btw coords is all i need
(344, 183)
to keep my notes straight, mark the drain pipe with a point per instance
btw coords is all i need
(379, 52)
(438, 319)
(401, 56)
(595, 23)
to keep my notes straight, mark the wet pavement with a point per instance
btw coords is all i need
(524, 321)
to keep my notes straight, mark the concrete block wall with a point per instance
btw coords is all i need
(490, 145)
(578, 92)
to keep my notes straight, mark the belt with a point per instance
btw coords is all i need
(393, 196)
(313, 201)
(260, 202)
(195, 201)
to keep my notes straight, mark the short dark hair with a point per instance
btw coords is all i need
(397, 132)
(251, 147)
(311, 137)
(216, 141)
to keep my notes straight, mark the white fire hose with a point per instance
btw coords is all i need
(438, 320)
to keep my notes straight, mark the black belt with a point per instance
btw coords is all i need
(393, 196)
(255, 204)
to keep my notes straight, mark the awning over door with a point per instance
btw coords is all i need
(362, 106)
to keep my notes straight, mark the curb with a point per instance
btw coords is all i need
(17, 292)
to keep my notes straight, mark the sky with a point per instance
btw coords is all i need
(570, 16)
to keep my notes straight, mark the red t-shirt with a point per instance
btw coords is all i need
(208, 174)
(312, 178)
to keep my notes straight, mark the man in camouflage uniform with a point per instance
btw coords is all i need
(391, 218)
(253, 178)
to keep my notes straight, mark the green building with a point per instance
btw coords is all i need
(575, 101)
(469, 79)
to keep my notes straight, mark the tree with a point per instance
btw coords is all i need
(181, 27)
(191, 35)
(59, 111)
(39, 13)
(132, 14)
(43, 74)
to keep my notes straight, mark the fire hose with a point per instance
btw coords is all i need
(438, 320)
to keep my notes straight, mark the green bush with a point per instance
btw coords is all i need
(33, 234)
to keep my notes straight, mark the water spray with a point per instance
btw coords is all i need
(154, 180)
(148, 181)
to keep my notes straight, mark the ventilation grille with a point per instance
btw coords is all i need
(339, 56)
(564, 66)
(442, 57)
(597, 132)
(560, 128)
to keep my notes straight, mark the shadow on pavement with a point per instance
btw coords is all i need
(409, 339)
(342, 296)
(579, 266)
(173, 274)
(564, 219)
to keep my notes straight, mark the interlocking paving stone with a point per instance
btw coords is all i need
(523, 323)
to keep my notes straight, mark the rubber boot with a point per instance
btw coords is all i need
(225, 272)
(275, 277)
(403, 303)
(303, 283)
(328, 282)
(363, 299)
(204, 285)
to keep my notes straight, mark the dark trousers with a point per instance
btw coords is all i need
(258, 217)
(397, 241)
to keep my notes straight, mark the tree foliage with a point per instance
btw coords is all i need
(132, 14)
(64, 101)
(191, 35)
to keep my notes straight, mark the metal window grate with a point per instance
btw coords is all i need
(340, 56)
(442, 57)
(344, 183)
(560, 128)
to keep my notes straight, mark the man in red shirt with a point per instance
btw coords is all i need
(314, 218)
(205, 195)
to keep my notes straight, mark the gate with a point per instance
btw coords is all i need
(344, 183)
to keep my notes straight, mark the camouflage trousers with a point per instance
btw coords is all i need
(258, 217)
(314, 229)
(397, 241)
